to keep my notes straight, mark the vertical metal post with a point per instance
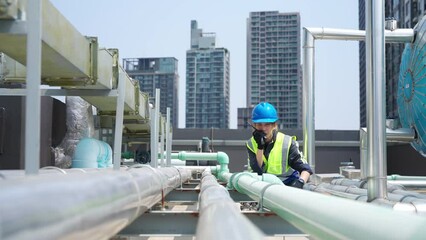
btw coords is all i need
(119, 117)
(375, 82)
(162, 149)
(32, 100)
(308, 98)
(154, 129)
(152, 136)
(168, 140)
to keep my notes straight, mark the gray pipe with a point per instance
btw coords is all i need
(219, 217)
(395, 36)
(321, 216)
(81, 206)
(400, 201)
(308, 113)
(403, 135)
(168, 140)
(376, 107)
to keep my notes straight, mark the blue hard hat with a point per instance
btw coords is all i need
(264, 112)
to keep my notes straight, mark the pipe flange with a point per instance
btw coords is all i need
(54, 168)
(262, 192)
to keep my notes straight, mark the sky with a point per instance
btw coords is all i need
(161, 28)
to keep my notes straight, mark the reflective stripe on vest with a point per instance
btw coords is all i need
(278, 156)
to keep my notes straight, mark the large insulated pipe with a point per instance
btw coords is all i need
(215, 206)
(321, 216)
(93, 205)
(309, 37)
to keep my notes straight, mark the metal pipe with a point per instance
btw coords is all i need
(403, 178)
(162, 136)
(409, 183)
(221, 157)
(392, 135)
(168, 140)
(215, 205)
(82, 206)
(154, 158)
(155, 116)
(309, 37)
(308, 113)
(32, 100)
(395, 36)
(321, 216)
(399, 201)
(375, 92)
(363, 153)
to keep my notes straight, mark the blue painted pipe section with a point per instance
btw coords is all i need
(92, 153)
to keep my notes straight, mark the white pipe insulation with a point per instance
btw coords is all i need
(94, 205)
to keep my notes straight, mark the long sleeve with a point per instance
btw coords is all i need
(296, 161)
(253, 162)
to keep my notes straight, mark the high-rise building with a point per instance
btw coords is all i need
(273, 64)
(244, 117)
(207, 82)
(407, 13)
(161, 73)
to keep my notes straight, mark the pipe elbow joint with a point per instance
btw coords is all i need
(222, 158)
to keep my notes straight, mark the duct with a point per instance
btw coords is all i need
(215, 206)
(321, 216)
(80, 124)
(81, 205)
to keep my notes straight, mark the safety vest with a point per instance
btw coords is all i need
(278, 156)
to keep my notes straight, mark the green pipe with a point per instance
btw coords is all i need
(403, 178)
(127, 155)
(330, 217)
(221, 157)
(266, 177)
